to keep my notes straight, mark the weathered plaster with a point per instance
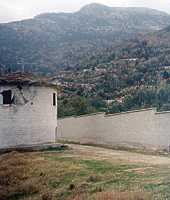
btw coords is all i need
(144, 128)
(32, 119)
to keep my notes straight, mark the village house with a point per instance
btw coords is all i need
(28, 111)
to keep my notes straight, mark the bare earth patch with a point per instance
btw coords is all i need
(113, 155)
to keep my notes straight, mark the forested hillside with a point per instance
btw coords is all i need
(55, 41)
(130, 76)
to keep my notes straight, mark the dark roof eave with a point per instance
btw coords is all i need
(27, 83)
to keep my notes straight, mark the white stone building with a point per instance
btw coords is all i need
(28, 111)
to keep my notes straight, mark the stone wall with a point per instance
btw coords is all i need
(31, 120)
(143, 128)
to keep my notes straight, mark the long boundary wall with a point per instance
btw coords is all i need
(141, 128)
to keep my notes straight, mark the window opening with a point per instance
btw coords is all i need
(54, 99)
(6, 97)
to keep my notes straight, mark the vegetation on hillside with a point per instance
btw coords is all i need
(135, 76)
(62, 40)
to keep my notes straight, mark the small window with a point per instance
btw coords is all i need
(54, 99)
(1, 99)
(7, 96)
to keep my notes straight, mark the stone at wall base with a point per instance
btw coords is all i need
(35, 147)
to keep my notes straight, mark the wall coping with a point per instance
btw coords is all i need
(162, 112)
(129, 112)
(86, 115)
(107, 115)
(116, 114)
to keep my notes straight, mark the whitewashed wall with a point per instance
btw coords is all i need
(144, 128)
(28, 123)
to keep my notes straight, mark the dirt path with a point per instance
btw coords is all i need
(116, 156)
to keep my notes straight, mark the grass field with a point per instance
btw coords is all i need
(84, 173)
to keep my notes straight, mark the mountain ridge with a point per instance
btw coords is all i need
(59, 40)
(95, 6)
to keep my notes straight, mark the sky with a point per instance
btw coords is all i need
(12, 10)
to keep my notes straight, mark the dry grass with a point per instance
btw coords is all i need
(14, 176)
(64, 176)
(116, 196)
(123, 196)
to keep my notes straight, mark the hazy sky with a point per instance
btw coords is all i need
(11, 10)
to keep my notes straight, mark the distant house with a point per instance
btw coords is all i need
(130, 59)
(28, 111)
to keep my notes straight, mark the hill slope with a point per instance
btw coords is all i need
(131, 76)
(52, 41)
